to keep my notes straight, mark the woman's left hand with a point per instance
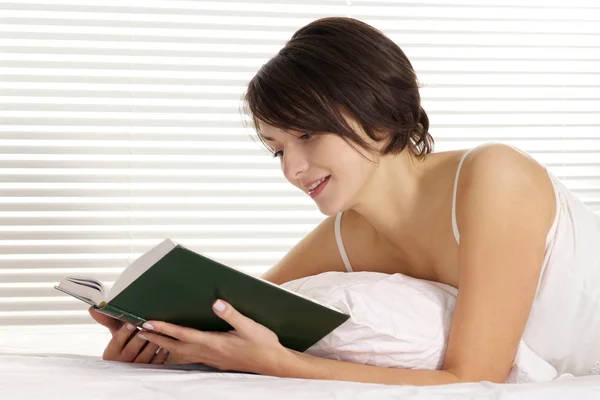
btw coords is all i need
(249, 347)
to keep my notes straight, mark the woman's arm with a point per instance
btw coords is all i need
(306, 366)
(316, 253)
(505, 206)
(251, 347)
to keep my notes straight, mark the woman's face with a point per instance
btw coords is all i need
(324, 166)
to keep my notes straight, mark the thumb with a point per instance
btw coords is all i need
(242, 324)
(112, 324)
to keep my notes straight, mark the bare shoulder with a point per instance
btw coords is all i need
(503, 160)
(498, 169)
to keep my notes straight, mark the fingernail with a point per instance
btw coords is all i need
(219, 306)
(130, 327)
(165, 351)
(141, 336)
(148, 326)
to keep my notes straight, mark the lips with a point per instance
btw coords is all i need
(308, 185)
(319, 188)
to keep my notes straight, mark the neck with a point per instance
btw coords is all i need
(394, 200)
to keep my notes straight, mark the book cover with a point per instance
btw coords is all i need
(181, 287)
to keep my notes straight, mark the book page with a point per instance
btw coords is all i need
(88, 290)
(139, 266)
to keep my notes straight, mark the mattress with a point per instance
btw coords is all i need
(63, 362)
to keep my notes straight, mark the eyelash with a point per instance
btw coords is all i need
(276, 154)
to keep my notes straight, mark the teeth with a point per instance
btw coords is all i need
(314, 185)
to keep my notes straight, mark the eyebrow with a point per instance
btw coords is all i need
(269, 139)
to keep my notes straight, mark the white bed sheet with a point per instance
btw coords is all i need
(63, 362)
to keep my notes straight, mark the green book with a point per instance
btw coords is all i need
(175, 284)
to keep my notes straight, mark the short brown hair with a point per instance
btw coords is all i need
(340, 66)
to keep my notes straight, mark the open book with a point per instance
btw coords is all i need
(175, 284)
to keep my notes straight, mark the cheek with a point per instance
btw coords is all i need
(352, 169)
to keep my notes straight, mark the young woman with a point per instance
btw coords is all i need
(339, 105)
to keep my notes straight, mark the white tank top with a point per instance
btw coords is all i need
(564, 323)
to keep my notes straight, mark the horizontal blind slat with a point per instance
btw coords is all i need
(38, 29)
(77, 45)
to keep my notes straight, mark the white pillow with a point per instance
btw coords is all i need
(396, 321)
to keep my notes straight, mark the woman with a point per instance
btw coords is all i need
(339, 105)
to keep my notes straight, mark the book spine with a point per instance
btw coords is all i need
(121, 315)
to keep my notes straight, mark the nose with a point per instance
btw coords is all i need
(294, 163)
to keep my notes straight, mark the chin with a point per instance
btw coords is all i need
(327, 208)
(329, 213)
(333, 202)
(330, 208)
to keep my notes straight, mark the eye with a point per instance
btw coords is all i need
(305, 137)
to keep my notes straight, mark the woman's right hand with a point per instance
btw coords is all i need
(125, 345)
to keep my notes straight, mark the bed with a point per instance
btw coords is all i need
(63, 362)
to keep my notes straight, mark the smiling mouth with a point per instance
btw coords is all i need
(316, 184)
(315, 187)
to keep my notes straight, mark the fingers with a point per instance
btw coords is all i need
(161, 357)
(133, 348)
(147, 354)
(174, 331)
(122, 340)
(128, 345)
(169, 347)
(112, 324)
(161, 341)
(221, 308)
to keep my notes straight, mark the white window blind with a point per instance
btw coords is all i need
(121, 123)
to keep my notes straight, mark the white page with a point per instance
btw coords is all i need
(139, 266)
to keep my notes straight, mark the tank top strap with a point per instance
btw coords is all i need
(454, 223)
(340, 243)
